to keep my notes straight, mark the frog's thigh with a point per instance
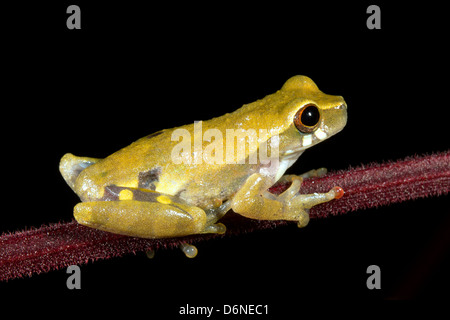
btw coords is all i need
(142, 219)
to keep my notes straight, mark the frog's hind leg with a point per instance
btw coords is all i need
(71, 166)
(145, 214)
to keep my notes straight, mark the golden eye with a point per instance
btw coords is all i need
(307, 118)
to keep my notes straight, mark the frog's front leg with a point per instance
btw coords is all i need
(145, 214)
(255, 202)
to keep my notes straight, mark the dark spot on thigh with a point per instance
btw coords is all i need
(148, 178)
(111, 193)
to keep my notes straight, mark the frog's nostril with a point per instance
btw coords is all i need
(341, 106)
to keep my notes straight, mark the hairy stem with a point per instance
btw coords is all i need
(63, 244)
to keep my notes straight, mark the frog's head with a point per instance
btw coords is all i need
(312, 116)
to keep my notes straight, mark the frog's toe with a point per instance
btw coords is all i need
(150, 253)
(293, 189)
(321, 172)
(218, 228)
(338, 192)
(307, 201)
(303, 219)
(315, 173)
(189, 250)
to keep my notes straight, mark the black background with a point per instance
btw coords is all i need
(134, 69)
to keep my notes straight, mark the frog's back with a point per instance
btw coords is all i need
(136, 166)
(148, 163)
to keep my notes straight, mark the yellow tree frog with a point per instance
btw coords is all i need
(144, 191)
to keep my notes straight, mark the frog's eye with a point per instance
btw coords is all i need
(307, 118)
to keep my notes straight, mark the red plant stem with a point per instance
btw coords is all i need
(63, 244)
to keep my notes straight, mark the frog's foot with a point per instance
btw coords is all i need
(254, 202)
(303, 202)
(147, 214)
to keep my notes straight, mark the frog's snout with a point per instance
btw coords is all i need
(335, 118)
(343, 109)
